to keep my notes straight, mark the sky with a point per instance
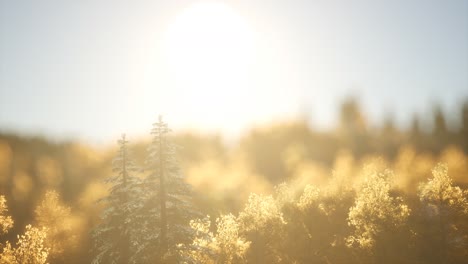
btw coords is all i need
(95, 69)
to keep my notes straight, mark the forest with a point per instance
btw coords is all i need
(284, 192)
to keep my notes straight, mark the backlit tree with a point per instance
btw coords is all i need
(116, 238)
(61, 227)
(168, 208)
(262, 222)
(376, 215)
(225, 245)
(446, 214)
(29, 248)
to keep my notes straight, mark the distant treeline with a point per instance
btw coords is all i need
(265, 146)
(223, 177)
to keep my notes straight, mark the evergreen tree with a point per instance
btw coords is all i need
(463, 133)
(168, 208)
(415, 133)
(116, 237)
(353, 126)
(389, 137)
(441, 136)
(440, 124)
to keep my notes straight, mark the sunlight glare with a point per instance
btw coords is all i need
(209, 48)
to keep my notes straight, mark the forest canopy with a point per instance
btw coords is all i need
(285, 193)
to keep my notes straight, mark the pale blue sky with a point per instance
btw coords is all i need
(93, 69)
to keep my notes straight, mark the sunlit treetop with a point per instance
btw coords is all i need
(309, 197)
(375, 210)
(224, 245)
(439, 191)
(6, 222)
(259, 212)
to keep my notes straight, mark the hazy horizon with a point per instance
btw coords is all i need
(92, 70)
(233, 132)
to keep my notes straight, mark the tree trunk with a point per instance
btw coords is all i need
(163, 238)
(125, 258)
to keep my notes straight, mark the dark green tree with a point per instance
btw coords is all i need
(168, 208)
(116, 239)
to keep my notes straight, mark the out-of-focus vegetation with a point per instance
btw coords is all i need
(285, 193)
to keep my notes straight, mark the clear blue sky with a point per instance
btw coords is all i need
(93, 69)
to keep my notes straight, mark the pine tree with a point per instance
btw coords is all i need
(416, 135)
(463, 132)
(116, 237)
(168, 208)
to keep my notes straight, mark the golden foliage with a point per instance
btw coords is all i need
(309, 197)
(224, 246)
(6, 223)
(439, 192)
(61, 226)
(259, 212)
(375, 209)
(29, 247)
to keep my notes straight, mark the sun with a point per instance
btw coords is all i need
(209, 48)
